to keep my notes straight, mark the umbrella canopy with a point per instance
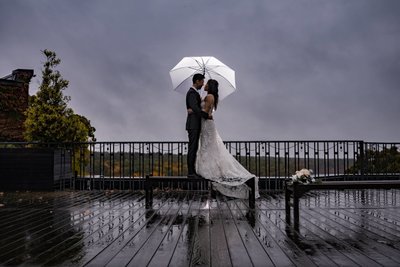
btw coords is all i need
(212, 68)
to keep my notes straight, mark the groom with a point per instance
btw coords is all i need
(193, 122)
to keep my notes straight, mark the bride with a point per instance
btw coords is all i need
(213, 160)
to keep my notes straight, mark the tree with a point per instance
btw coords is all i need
(49, 119)
(386, 160)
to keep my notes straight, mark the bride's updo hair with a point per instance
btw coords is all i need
(213, 89)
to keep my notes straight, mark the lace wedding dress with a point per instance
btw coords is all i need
(215, 163)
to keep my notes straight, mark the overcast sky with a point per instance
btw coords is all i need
(305, 69)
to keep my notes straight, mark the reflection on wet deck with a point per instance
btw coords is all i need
(113, 228)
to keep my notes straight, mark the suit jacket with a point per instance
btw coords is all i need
(193, 101)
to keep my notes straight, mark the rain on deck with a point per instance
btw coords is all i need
(190, 228)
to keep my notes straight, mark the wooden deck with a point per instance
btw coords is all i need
(113, 228)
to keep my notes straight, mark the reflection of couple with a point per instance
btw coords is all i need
(207, 155)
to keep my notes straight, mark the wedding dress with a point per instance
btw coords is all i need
(215, 163)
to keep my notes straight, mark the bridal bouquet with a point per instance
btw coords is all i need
(303, 176)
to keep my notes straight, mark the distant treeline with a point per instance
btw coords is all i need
(139, 164)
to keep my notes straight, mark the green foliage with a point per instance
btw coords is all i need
(386, 160)
(48, 117)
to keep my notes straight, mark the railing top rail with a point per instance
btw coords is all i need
(383, 143)
(168, 142)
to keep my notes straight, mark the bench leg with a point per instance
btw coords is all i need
(213, 191)
(252, 194)
(287, 205)
(148, 193)
(296, 214)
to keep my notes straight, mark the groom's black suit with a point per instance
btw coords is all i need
(193, 126)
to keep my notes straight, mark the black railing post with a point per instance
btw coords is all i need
(362, 159)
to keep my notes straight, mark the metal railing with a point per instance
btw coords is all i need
(124, 164)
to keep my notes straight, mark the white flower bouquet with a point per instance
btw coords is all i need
(303, 176)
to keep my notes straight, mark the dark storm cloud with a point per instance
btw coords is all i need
(305, 69)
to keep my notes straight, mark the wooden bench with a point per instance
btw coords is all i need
(183, 180)
(297, 190)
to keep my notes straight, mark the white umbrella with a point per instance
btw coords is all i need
(212, 68)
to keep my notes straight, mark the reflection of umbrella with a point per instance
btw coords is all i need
(212, 68)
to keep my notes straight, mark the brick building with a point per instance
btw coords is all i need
(14, 93)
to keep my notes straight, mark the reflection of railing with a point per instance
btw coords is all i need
(125, 164)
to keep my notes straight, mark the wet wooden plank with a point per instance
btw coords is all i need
(52, 229)
(237, 249)
(20, 208)
(36, 220)
(141, 223)
(220, 255)
(284, 236)
(351, 229)
(94, 228)
(276, 254)
(326, 246)
(244, 220)
(200, 255)
(340, 253)
(376, 230)
(353, 236)
(107, 228)
(183, 250)
(71, 238)
(136, 243)
(144, 255)
(166, 248)
(379, 224)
